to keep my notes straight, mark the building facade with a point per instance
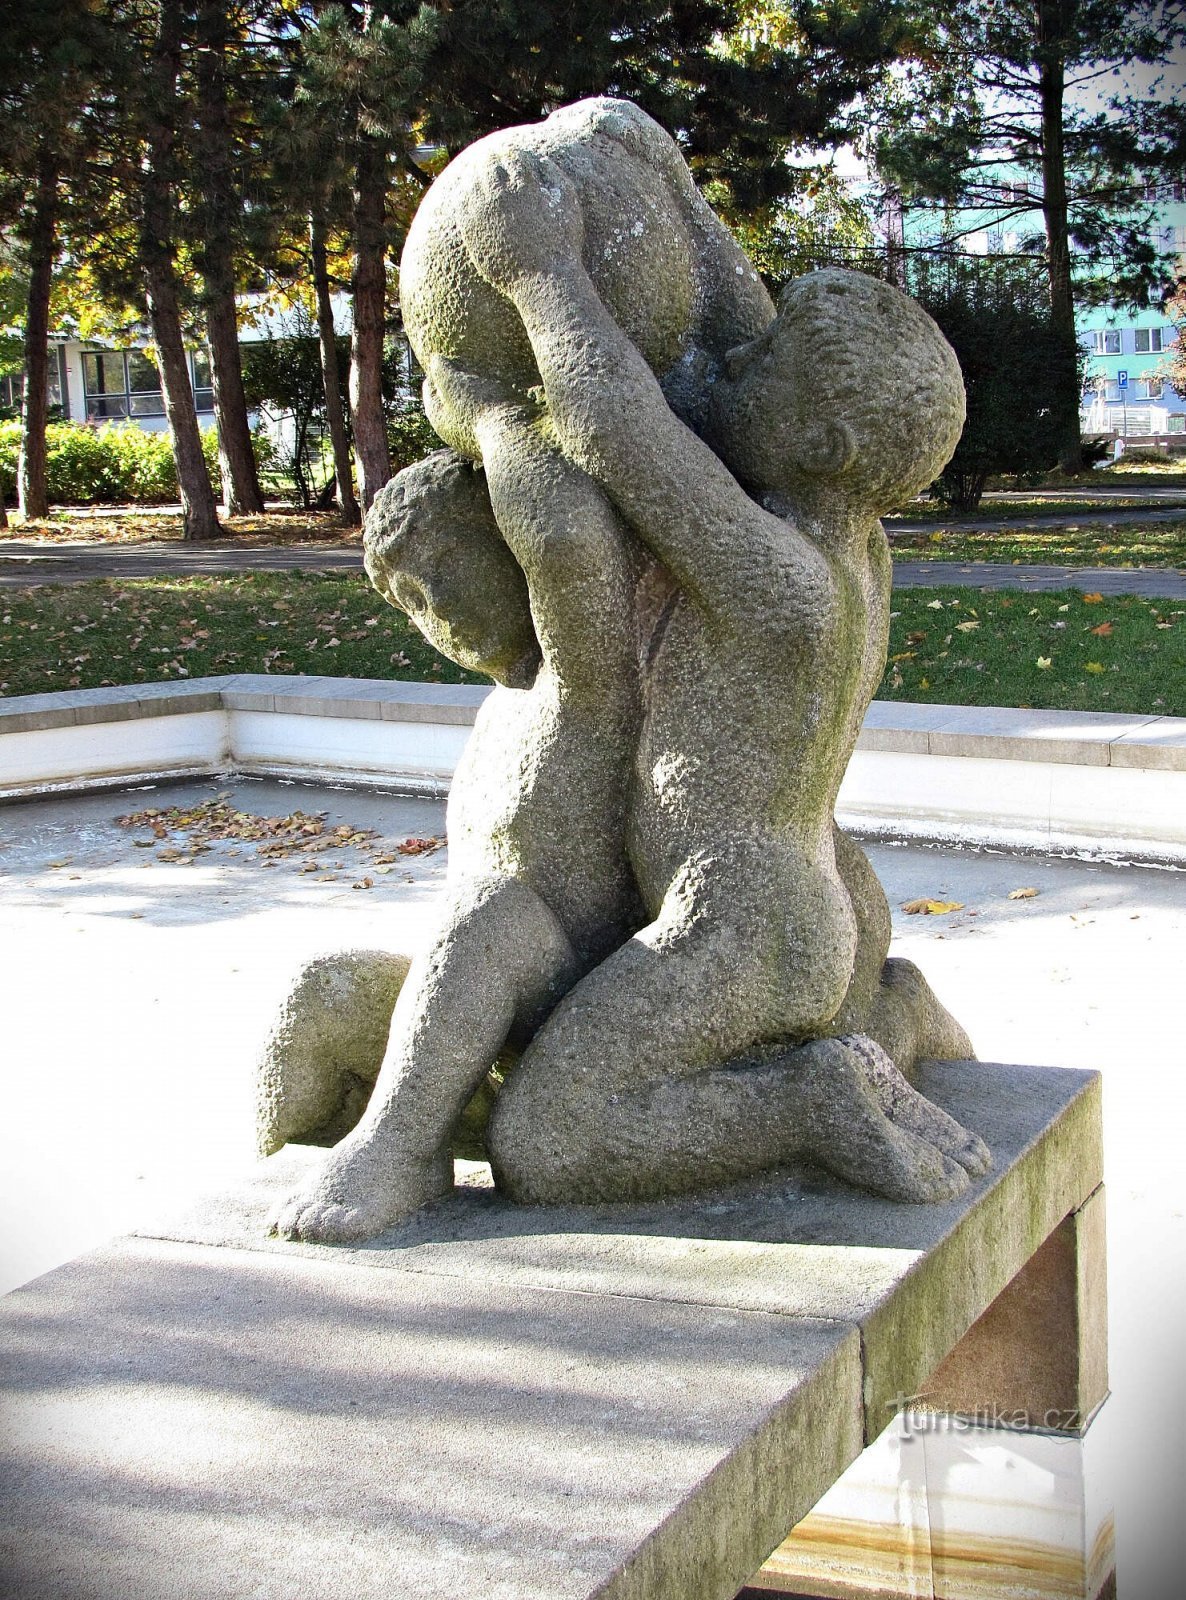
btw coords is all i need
(89, 382)
(1125, 390)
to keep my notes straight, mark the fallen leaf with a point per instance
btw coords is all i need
(966, 627)
(1093, 599)
(1102, 631)
(931, 908)
(1028, 893)
(934, 605)
(1094, 666)
(1044, 663)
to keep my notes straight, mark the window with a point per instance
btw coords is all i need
(12, 388)
(121, 384)
(127, 384)
(1105, 341)
(202, 381)
(1151, 388)
(1148, 341)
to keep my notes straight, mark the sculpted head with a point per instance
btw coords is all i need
(433, 550)
(851, 392)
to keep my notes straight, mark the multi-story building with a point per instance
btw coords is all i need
(89, 382)
(1125, 391)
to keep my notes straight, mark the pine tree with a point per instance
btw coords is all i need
(161, 117)
(220, 34)
(50, 55)
(1011, 91)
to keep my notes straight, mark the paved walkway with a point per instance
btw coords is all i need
(1155, 583)
(22, 565)
(26, 562)
(1053, 519)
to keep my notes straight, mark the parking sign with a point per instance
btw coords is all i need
(1122, 380)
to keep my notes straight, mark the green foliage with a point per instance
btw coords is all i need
(282, 378)
(110, 464)
(822, 225)
(1046, 99)
(410, 436)
(998, 321)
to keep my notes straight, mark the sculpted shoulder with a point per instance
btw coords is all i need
(667, 270)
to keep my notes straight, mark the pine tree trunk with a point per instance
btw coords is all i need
(366, 345)
(157, 260)
(199, 512)
(1052, 75)
(330, 375)
(32, 481)
(240, 482)
(236, 457)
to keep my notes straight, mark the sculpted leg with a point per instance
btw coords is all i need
(501, 960)
(889, 1000)
(645, 1081)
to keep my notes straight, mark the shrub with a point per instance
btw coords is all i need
(997, 319)
(410, 436)
(10, 447)
(115, 462)
(142, 464)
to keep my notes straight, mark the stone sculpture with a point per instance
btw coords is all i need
(657, 531)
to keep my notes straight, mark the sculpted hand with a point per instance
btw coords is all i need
(519, 218)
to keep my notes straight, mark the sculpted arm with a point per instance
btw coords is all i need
(523, 231)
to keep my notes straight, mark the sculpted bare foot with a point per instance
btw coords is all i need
(360, 1190)
(848, 1131)
(908, 1109)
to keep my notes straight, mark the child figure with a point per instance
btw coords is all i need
(541, 888)
(667, 1067)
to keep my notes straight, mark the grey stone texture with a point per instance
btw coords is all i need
(321, 1059)
(658, 534)
(1038, 1357)
(634, 1403)
(188, 1424)
(797, 1242)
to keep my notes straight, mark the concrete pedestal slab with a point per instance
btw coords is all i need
(499, 1402)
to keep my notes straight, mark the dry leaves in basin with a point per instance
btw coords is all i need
(300, 836)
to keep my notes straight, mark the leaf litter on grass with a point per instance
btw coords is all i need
(302, 836)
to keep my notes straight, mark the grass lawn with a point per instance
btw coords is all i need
(1092, 544)
(1126, 507)
(149, 630)
(1061, 652)
(954, 646)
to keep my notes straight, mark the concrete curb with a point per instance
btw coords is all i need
(1105, 783)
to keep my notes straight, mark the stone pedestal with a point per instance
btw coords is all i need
(634, 1403)
(993, 1480)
